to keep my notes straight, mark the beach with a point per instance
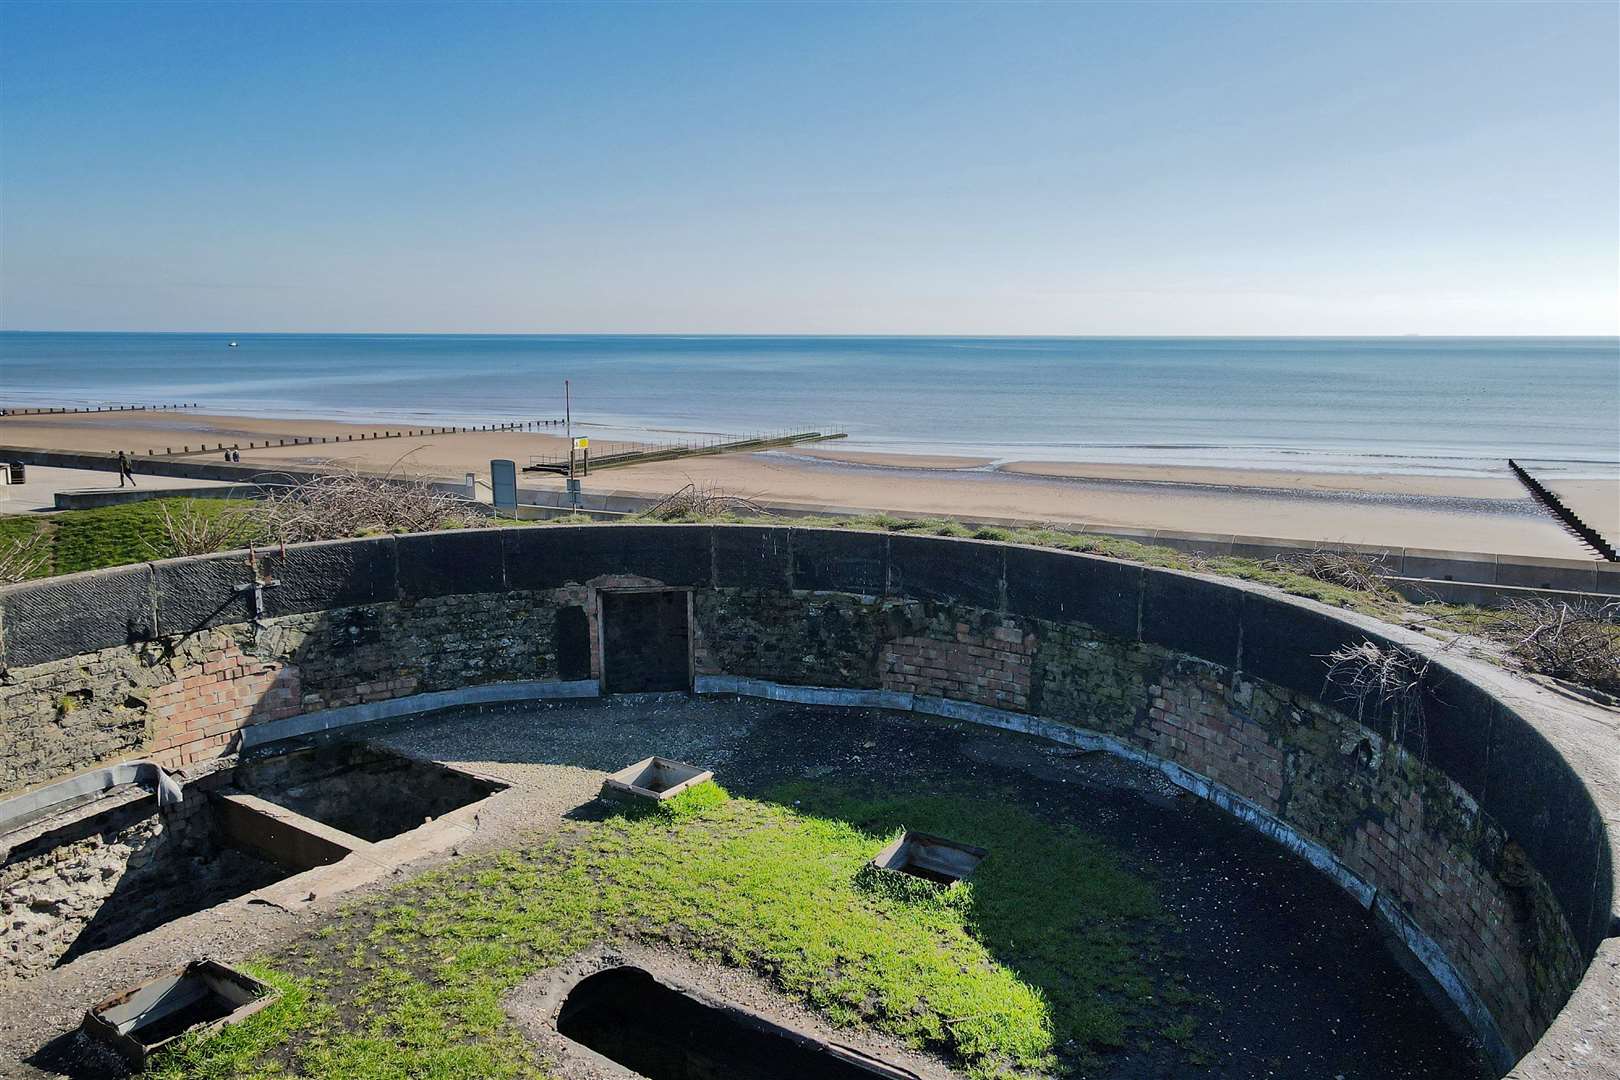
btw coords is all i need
(1460, 513)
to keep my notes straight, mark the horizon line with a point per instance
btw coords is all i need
(822, 334)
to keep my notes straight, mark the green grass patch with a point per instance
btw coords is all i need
(1038, 963)
(106, 536)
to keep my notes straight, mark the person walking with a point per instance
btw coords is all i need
(123, 470)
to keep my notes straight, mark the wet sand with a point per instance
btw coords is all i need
(1492, 514)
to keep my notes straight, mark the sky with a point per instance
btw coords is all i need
(1081, 169)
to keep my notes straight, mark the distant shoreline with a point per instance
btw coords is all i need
(1483, 513)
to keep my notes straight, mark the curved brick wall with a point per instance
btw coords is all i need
(1465, 831)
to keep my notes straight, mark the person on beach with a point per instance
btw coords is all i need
(123, 470)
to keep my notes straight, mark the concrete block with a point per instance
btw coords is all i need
(840, 560)
(450, 563)
(196, 594)
(1579, 575)
(331, 573)
(750, 557)
(1067, 587)
(946, 570)
(289, 840)
(1190, 615)
(55, 618)
(1447, 566)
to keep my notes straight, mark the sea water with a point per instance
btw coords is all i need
(1434, 405)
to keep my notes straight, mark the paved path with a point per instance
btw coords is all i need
(39, 492)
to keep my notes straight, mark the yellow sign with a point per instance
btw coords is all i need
(581, 443)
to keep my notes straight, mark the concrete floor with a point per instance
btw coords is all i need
(39, 492)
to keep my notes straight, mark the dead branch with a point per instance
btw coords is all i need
(696, 500)
(190, 528)
(1577, 641)
(22, 557)
(1382, 680)
(1352, 570)
(348, 502)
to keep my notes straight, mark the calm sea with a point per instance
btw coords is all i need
(1386, 404)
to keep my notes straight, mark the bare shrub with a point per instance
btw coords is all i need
(22, 557)
(351, 503)
(1352, 570)
(1578, 641)
(1385, 680)
(699, 501)
(190, 528)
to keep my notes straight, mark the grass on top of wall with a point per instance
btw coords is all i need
(1382, 603)
(134, 532)
(76, 540)
(1044, 961)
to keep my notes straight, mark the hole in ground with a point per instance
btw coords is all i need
(364, 792)
(658, 1032)
(931, 858)
(103, 878)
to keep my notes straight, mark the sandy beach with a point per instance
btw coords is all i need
(1493, 514)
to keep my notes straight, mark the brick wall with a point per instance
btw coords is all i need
(1405, 828)
(987, 665)
(182, 700)
(1386, 815)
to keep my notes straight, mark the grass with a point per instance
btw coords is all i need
(105, 536)
(1037, 965)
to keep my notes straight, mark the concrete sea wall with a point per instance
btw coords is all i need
(1454, 812)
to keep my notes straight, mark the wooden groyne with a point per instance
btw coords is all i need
(1552, 502)
(364, 436)
(92, 409)
(642, 454)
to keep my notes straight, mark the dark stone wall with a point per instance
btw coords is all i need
(1470, 819)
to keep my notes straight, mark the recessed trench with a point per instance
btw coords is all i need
(97, 877)
(661, 1033)
(359, 790)
(931, 858)
(104, 878)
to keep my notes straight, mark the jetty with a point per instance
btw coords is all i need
(643, 453)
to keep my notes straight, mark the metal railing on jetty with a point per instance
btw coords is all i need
(616, 454)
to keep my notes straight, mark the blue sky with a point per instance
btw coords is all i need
(1079, 169)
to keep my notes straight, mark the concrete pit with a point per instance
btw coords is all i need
(108, 870)
(664, 1032)
(930, 858)
(654, 779)
(204, 995)
(101, 875)
(361, 791)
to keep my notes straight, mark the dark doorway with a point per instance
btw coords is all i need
(660, 1033)
(573, 644)
(644, 642)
